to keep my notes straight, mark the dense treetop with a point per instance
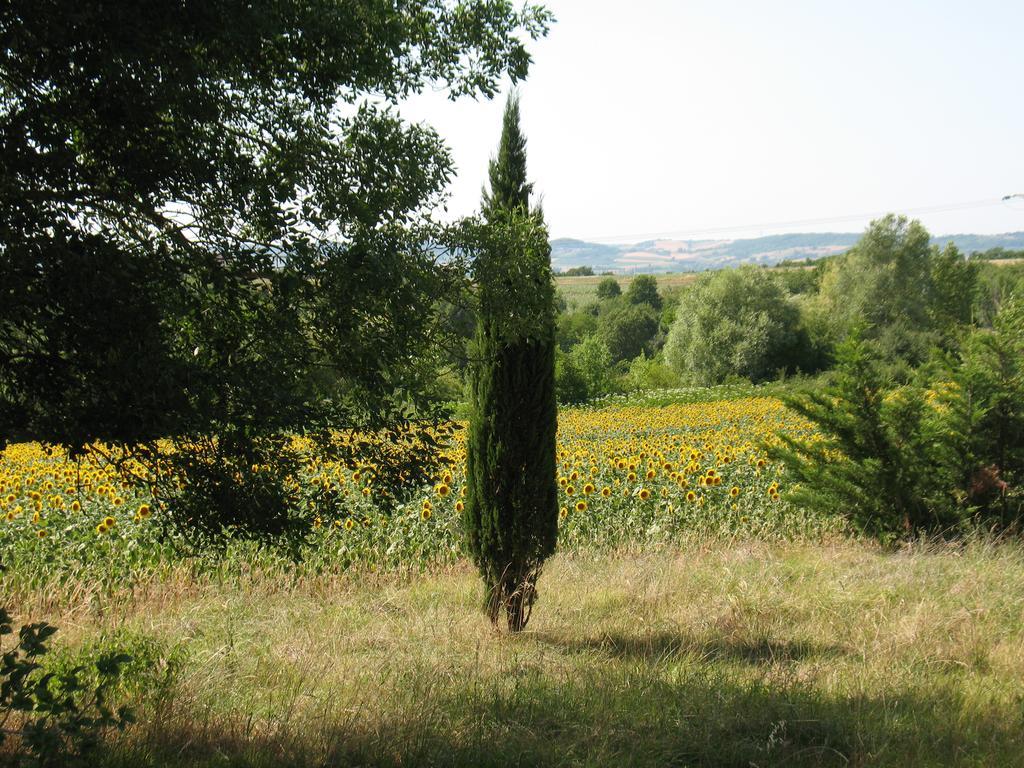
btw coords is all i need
(213, 219)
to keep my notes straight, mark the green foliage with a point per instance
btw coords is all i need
(737, 322)
(980, 420)
(954, 288)
(509, 189)
(511, 511)
(873, 464)
(58, 716)
(574, 327)
(570, 386)
(799, 281)
(583, 271)
(905, 460)
(213, 233)
(647, 373)
(608, 288)
(585, 372)
(643, 289)
(995, 284)
(627, 329)
(906, 295)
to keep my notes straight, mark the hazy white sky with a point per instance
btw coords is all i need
(713, 117)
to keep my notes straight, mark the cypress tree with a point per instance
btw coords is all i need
(511, 512)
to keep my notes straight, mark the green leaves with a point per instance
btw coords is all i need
(61, 713)
(215, 228)
(736, 322)
(925, 457)
(511, 513)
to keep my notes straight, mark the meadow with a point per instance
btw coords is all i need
(691, 617)
(581, 290)
(716, 653)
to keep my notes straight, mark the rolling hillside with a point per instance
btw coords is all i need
(700, 255)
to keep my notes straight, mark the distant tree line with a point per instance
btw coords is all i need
(905, 296)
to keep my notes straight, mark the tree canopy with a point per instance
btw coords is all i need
(214, 224)
(903, 291)
(644, 290)
(737, 322)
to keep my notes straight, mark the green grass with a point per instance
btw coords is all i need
(579, 291)
(712, 654)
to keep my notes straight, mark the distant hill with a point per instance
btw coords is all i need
(700, 255)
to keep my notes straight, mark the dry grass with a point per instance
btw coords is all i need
(722, 655)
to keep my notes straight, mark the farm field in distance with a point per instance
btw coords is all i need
(581, 290)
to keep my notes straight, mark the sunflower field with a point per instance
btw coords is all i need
(630, 476)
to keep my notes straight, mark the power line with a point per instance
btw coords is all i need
(694, 233)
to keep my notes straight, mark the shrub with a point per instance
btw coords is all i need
(608, 288)
(872, 462)
(924, 457)
(980, 416)
(647, 373)
(57, 716)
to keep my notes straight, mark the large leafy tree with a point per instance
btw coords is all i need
(511, 514)
(907, 295)
(736, 322)
(213, 229)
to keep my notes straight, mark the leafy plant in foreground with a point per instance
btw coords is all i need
(54, 718)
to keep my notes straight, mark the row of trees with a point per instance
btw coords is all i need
(903, 295)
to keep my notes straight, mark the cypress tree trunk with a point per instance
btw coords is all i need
(511, 514)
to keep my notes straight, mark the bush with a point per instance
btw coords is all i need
(980, 415)
(923, 457)
(646, 373)
(57, 716)
(873, 463)
(734, 322)
(608, 288)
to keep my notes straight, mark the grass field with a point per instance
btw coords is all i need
(727, 653)
(582, 290)
(692, 617)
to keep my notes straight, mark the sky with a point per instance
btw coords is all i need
(739, 118)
